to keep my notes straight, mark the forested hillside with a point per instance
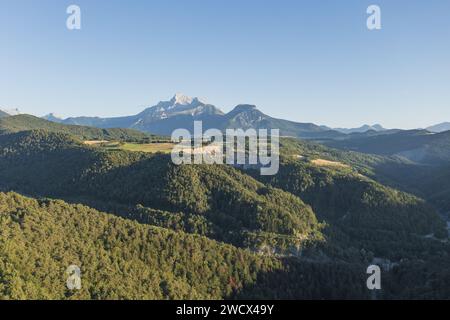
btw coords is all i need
(215, 200)
(427, 181)
(24, 122)
(308, 232)
(360, 212)
(121, 259)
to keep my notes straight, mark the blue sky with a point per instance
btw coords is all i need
(307, 61)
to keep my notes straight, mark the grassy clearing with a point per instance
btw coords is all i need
(147, 147)
(164, 147)
(94, 142)
(327, 163)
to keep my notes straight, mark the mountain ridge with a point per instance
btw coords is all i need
(362, 129)
(181, 111)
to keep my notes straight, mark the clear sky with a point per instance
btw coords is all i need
(307, 61)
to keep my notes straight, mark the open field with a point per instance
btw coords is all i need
(327, 163)
(94, 142)
(164, 147)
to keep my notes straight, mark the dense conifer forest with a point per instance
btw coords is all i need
(141, 227)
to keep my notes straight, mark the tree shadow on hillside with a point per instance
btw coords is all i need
(308, 280)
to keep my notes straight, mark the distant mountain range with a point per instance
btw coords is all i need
(421, 146)
(181, 111)
(362, 129)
